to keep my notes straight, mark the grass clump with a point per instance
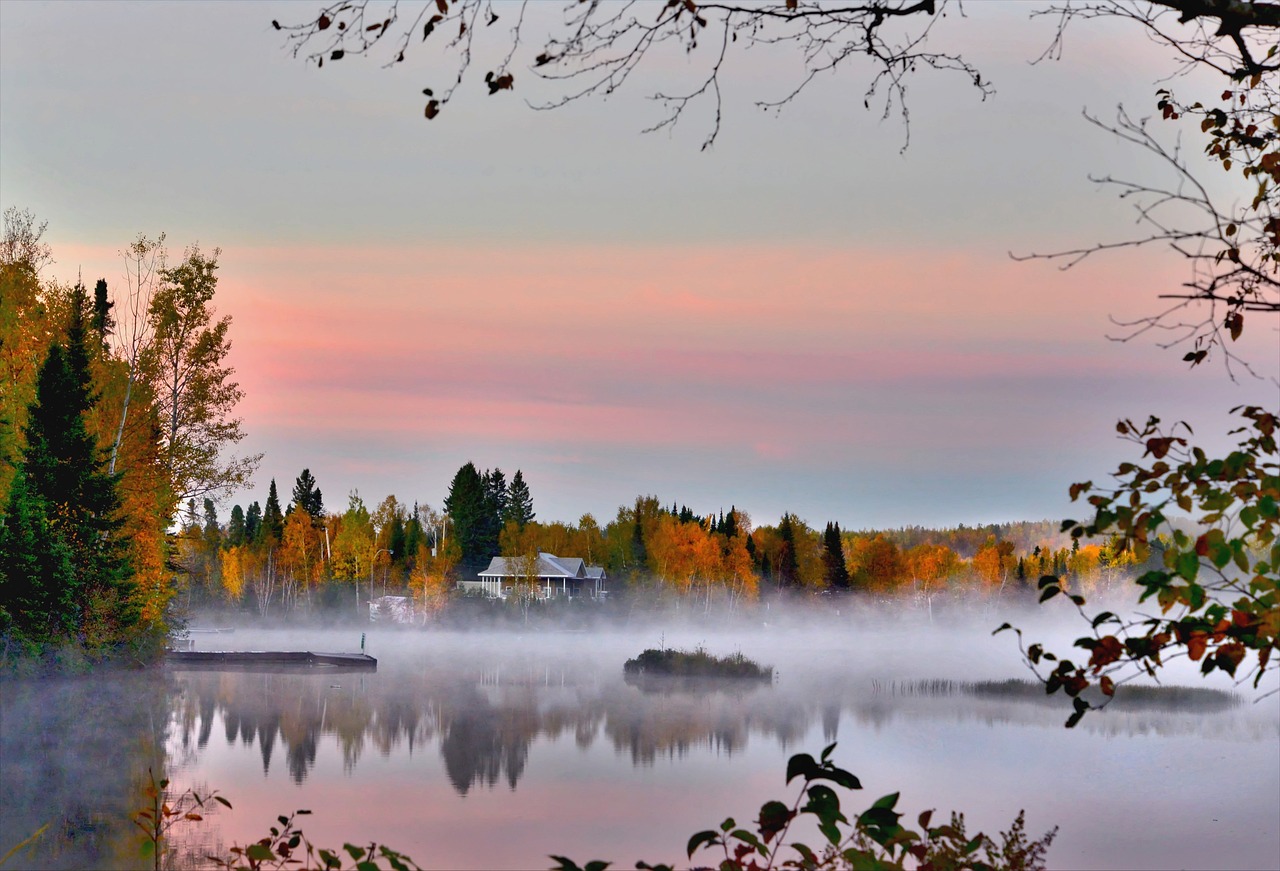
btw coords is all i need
(696, 663)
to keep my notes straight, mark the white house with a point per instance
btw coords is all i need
(557, 576)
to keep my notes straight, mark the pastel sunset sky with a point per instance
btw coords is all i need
(805, 317)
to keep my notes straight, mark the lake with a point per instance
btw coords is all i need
(497, 749)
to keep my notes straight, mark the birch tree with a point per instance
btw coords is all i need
(195, 392)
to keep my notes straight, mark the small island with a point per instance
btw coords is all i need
(696, 663)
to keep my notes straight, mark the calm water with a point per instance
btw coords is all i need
(494, 750)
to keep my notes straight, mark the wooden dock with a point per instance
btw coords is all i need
(269, 659)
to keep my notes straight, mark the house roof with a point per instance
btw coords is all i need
(549, 566)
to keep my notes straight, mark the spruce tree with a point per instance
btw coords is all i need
(236, 527)
(272, 518)
(639, 553)
(836, 572)
(788, 567)
(520, 501)
(62, 558)
(103, 323)
(467, 510)
(253, 523)
(307, 496)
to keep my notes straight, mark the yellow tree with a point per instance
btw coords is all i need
(876, 563)
(993, 562)
(930, 565)
(300, 555)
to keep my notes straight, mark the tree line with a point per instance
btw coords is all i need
(305, 557)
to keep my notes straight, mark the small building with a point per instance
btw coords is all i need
(563, 576)
(392, 609)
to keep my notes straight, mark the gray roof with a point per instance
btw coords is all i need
(549, 566)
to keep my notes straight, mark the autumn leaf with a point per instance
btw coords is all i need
(1196, 645)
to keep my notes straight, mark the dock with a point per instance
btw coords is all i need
(269, 659)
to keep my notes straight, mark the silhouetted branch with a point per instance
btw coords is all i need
(1231, 251)
(598, 45)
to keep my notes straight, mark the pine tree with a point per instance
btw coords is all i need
(468, 512)
(65, 566)
(835, 570)
(306, 495)
(272, 518)
(788, 568)
(253, 523)
(103, 323)
(236, 527)
(520, 501)
(639, 553)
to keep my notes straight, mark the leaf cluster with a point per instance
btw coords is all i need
(287, 847)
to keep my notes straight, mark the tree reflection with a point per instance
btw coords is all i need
(484, 717)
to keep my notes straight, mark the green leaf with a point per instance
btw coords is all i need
(750, 838)
(702, 839)
(1187, 565)
(887, 801)
(259, 853)
(801, 765)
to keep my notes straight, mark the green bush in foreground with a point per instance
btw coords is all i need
(873, 840)
(696, 663)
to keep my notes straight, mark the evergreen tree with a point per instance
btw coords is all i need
(639, 553)
(414, 537)
(788, 568)
(495, 490)
(306, 495)
(64, 566)
(468, 509)
(253, 523)
(835, 570)
(731, 522)
(212, 529)
(520, 501)
(103, 323)
(37, 578)
(236, 527)
(396, 538)
(272, 518)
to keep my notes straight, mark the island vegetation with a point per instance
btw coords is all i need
(696, 663)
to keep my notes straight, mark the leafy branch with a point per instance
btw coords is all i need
(1217, 589)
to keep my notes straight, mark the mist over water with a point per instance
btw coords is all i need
(495, 749)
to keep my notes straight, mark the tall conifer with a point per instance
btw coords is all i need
(520, 501)
(272, 517)
(64, 565)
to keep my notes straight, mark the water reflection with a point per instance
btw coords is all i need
(74, 755)
(484, 717)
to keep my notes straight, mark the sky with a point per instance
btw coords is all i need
(805, 317)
